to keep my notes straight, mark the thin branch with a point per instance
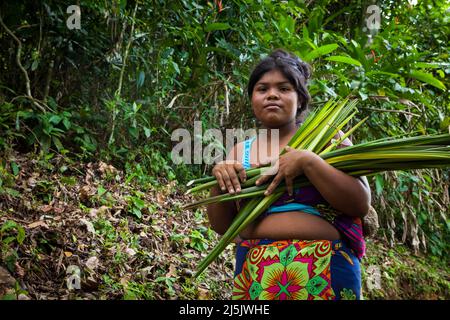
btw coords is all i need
(31, 131)
(395, 111)
(40, 104)
(25, 26)
(122, 72)
(18, 55)
(127, 50)
(48, 80)
(376, 109)
(19, 63)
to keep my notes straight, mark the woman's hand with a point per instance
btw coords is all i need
(227, 172)
(290, 165)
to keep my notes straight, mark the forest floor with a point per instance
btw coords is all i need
(71, 230)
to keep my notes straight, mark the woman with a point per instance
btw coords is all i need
(299, 248)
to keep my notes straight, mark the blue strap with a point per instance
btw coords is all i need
(283, 208)
(246, 155)
(294, 207)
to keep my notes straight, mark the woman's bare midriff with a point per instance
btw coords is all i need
(287, 225)
(292, 225)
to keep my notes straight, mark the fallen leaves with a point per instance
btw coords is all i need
(130, 252)
(89, 225)
(106, 169)
(7, 282)
(172, 271)
(98, 212)
(74, 227)
(46, 208)
(37, 224)
(86, 192)
(92, 263)
(203, 294)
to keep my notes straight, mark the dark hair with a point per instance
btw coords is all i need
(292, 67)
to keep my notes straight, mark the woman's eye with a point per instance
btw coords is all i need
(284, 89)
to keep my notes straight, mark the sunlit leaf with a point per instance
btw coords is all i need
(343, 59)
(427, 78)
(321, 51)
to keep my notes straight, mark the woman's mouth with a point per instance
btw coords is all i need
(272, 107)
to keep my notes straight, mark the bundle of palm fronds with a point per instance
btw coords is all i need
(316, 134)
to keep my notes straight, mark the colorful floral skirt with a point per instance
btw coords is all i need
(296, 270)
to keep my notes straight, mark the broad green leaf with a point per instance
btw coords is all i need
(134, 132)
(15, 168)
(425, 65)
(13, 192)
(66, 123)
(427, 78)
(137, 212)
(394, 75)
(139, 203)
(20, 234)
(57, 143)
(379, 184)
(34, 65)
(8, 225)
(141, 79)
(55, 119)
(343, 59)
(305, 33)
(101, 191)
(323, 50)
(217, 26)
(147, 132)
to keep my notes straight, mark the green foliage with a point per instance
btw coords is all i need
(198, 240)
(190, 60)
(12, 234)
(417, 215)
(403, 275)
(136, 205)
(7, 178)
(6, 229)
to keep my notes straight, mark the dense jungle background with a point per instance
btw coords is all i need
(86, 117)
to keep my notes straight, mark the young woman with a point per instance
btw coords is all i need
(308, 244)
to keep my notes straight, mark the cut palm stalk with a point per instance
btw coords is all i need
(245, 193)
(343, 137)
(225, 239)
(211, 181)
(352, 167)
(351, 155)
(328, 113)
(250, 212)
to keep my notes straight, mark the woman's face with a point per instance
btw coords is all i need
(274, 100)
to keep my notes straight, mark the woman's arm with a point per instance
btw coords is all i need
(343, 192)
(345, 185)
(221, 215)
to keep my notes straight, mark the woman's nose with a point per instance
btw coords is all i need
(272, 93)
